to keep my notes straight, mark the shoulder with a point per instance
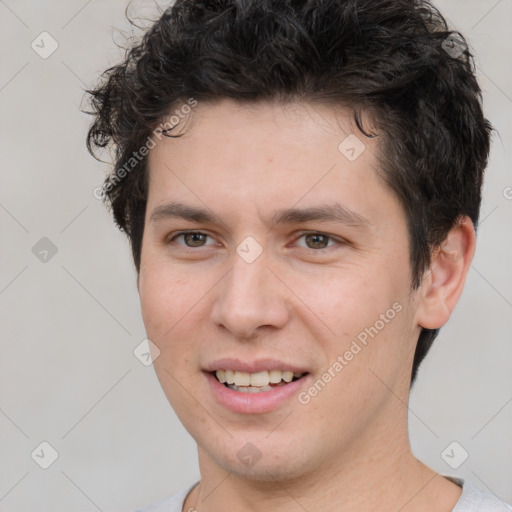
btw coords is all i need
(473, 500)
(172, 504)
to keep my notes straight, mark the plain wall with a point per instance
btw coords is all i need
(69, 325)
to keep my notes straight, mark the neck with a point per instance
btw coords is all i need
(370, 475)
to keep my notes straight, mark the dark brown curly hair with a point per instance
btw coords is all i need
(392, 59)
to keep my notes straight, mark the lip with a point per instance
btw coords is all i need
(259, 365)
(254, 403)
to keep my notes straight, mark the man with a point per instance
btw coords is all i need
(300, 182)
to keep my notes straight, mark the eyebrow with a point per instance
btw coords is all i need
(328, 213)
(181, 211)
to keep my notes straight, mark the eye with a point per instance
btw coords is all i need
(192, 239)
(316, 241)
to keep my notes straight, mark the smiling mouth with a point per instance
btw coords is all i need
(258, 382)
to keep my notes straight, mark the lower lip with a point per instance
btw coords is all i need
(254, 403)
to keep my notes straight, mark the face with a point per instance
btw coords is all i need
(270, 253)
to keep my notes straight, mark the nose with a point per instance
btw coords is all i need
(250, 299)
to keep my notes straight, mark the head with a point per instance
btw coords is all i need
(246, 111)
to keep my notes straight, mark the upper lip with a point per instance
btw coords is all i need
(258, 365)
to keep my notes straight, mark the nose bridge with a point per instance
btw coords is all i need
(249, 298)
(248, 281)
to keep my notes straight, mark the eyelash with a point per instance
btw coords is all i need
(329, 237)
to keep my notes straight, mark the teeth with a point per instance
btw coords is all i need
(275, 376)
(221, 375)
(242, 378)
(259, 379)
(256, 380)
(250, 389)
(287, 376)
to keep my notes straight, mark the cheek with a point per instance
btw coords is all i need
(176, 309)
(167, 305)
(154, 299)
(347, 299)
(165, 298)
(365, 310)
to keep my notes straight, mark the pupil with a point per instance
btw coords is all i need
(194, 239)
(317, 241)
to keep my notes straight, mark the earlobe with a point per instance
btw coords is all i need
(444, 281)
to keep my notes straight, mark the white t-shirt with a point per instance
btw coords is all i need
(471, 500)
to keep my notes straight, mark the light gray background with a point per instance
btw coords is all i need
(69, 326)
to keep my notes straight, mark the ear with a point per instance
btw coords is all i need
(443, 283)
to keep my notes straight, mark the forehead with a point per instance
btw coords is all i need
(267, 155)
(268, 129)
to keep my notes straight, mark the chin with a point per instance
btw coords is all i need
(260, 459)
